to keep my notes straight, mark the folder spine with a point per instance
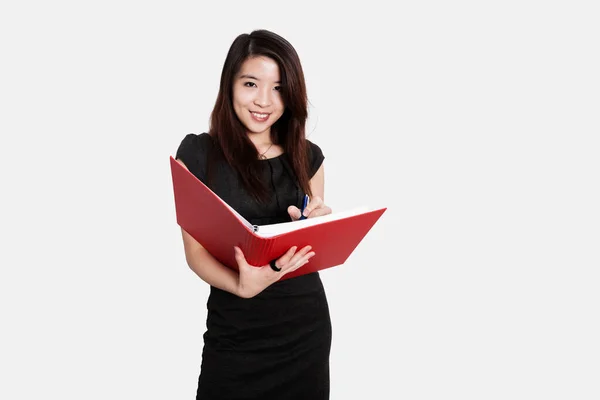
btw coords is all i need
(258, 250)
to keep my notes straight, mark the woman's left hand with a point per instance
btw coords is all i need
(315, 208)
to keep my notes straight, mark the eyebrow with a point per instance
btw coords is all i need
(247, 76)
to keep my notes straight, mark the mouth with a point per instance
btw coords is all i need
(260, 117)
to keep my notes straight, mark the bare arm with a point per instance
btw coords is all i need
(317, 183)
(206, 266)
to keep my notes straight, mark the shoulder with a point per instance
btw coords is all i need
(195, 141)
(315, 157)
(193, 152)
(194, 146)
(314, 149)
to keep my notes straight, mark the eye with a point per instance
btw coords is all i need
(249, 84)
(278, 88)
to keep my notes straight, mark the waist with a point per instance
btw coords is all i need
(280, 315)
(298, 286)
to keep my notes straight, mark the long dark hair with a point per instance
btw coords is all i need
(229, 133)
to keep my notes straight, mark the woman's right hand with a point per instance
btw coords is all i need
(253, 280)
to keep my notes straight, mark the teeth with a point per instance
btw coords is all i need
(260, 115)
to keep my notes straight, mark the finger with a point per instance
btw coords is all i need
(285, 259)
(300, 257)
(294, 212)
(239, 256)
(301, 253)
(303, 261)
(295, 267)
(315, 202)
(320, 211)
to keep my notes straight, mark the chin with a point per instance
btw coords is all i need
(255, 129)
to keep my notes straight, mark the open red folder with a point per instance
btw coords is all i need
(218, 227)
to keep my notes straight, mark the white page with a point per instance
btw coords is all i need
(271, 230)
(244, 220)
(283, 227)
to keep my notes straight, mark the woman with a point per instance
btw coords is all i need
(265, 338)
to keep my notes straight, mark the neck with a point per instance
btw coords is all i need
(260, 139)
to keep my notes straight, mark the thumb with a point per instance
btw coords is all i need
(294, 212)
(239, 256)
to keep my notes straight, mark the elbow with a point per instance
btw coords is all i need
(192, 260)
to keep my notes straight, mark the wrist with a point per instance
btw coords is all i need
(241, 290)
(238, 289)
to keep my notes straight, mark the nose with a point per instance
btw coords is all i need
(263, 98)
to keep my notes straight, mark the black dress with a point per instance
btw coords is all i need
(275, 345)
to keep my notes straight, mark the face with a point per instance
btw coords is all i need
(257, 98)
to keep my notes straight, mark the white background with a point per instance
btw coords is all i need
(475, 123)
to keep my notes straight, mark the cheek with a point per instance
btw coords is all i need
(239, 106)
(240, 98)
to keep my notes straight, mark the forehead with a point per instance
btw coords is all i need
(261, 68)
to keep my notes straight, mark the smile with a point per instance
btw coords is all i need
(259, 117)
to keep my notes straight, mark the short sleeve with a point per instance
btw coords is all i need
(315, 158)
(193, 152)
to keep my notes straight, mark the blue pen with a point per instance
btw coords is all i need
(303, 207)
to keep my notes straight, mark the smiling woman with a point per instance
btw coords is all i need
(266, 337)
(257, 97)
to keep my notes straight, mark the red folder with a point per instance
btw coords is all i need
(209, 220)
